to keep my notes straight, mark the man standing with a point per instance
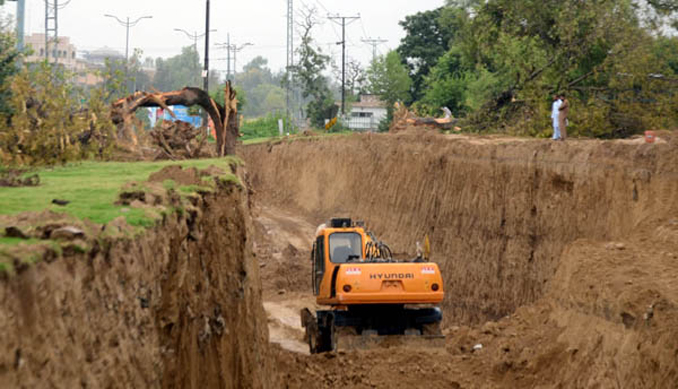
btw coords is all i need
(564, 110)
(555, 113)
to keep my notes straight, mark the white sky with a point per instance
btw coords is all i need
(261, 22)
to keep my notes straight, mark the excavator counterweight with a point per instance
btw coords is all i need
(371, 297)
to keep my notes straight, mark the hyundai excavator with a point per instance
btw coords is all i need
(371, 296)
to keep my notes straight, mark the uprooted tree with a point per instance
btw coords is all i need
(224, 117)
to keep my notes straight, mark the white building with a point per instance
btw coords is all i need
(366, 114)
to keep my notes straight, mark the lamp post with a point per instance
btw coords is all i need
(127, 24)
(195, 36)
(232, 48)
(235, 51)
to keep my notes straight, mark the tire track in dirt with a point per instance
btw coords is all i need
(282, 243)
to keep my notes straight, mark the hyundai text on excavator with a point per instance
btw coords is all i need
(371, 296)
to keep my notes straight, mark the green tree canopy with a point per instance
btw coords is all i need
(179, 71)
(506, 58)
(388, 78)
(308, 75)
(8, 68)
(426, 40)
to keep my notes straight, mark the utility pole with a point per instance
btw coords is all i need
(290, 57)
(206, 74)
(343, 24)
(374, 43)
(20, 23)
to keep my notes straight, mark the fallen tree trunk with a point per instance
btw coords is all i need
(224, 119)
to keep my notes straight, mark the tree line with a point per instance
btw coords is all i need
(497, 63)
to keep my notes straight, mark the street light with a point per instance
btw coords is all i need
(128, 24)
(195, 36)
(235, 51)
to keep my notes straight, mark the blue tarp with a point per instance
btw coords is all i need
(181, 113)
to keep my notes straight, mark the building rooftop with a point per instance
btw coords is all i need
(369, 101)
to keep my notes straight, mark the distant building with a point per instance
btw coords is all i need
(64, 53)
(98, 57)
(366, 114)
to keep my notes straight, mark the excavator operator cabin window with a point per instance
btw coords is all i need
(345, 245)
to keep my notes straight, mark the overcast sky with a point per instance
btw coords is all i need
(260, 22)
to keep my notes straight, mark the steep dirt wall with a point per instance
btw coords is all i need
(499, 212)
(176, 307)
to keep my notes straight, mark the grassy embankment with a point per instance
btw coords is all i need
(92, 189)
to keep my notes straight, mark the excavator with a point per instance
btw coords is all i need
(371, 297)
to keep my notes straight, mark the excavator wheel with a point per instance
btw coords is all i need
(432, 329)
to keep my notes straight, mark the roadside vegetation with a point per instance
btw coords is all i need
(497, 64)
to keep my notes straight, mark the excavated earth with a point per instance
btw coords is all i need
(560, 262)
(560, 259)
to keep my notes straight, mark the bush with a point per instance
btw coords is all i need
(48, 124)
(264, 127)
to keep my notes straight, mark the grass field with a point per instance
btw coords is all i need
(92, 188)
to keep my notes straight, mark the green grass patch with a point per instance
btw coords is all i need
(92, 189)
(16, 241)
(187, 189)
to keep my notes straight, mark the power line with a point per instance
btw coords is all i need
(343, 19)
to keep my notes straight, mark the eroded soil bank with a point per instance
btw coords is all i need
(560, 259)
(178, 306)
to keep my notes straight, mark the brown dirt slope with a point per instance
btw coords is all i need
(561, 259)
(178, 307)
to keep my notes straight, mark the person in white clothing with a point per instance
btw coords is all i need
(555, 113)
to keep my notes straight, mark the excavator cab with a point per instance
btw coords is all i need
(368, 292)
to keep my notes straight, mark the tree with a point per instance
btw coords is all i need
(179, 71)
(425, 41)
(308, 73)
(505, 58)
(262, 87)
(387, 78)
(8, 68)
(355, 78)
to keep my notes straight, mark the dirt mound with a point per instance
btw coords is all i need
(559, 258)
(16, 178)
(177, 174)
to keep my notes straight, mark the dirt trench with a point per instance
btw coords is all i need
(178, 306)
(560, 259)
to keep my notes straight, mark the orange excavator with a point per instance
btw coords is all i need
(371, 296)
